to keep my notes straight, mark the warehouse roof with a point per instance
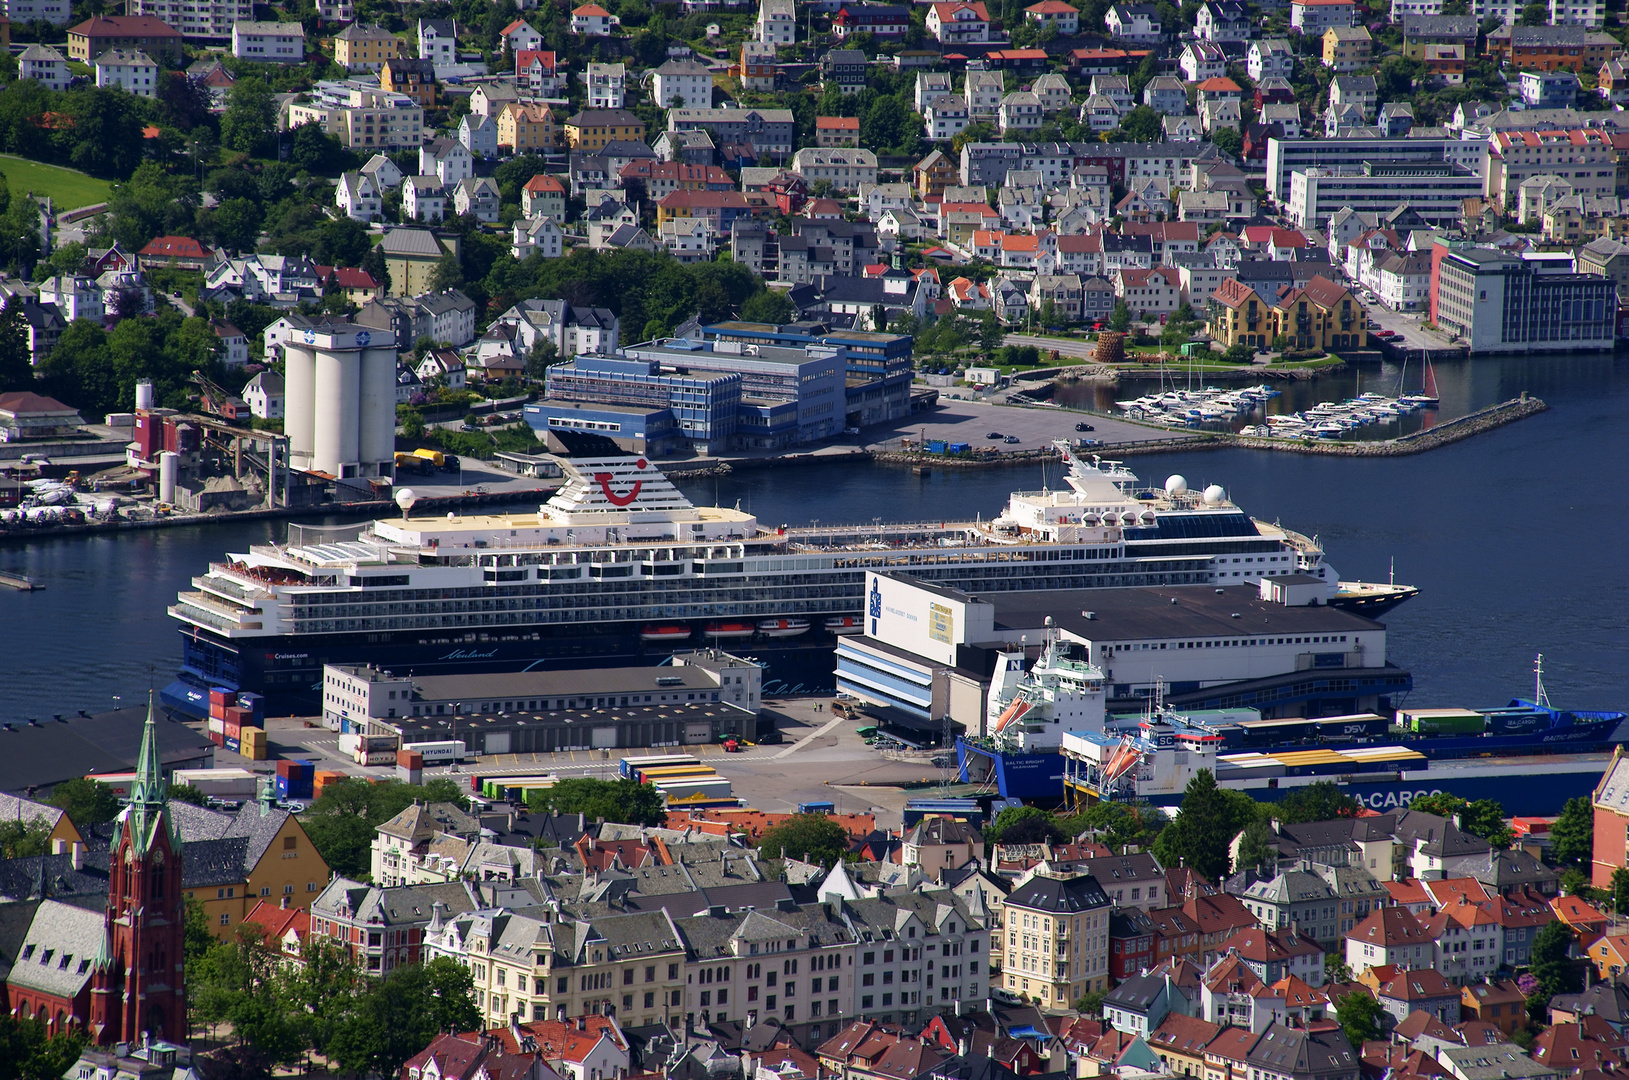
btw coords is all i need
(589, 682)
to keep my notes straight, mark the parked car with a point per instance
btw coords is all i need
(1011, 439)
(1084, 427)
(993, 435)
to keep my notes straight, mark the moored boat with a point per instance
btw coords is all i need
(844, 624)
(728, 630)
(783, 628)
(674, 632)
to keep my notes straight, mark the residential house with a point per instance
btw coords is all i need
(438, 42)
(1201, 60)
(359, 47)
(537, 71)
(424, 198)
(1269, 58)
(593, 129)
(543, 196)
(358, 197)
(607, 85)
(268, 42)
(1313, 17)
(264, 395)
(1223, 21)
(519, 36)
(777, 22)
(591, 20)
(1062, 17)
(1139, 23)
(837, 131)
(1348, 48)
(478, 135)
(131, 70)
(1056, 948)
(1166, 94)
(447, 160)
(845, 69)
(682, 82)
(527, 128)
(44, 65)
(539, 235)
(958, 21)
(131, 33)
(477, 196)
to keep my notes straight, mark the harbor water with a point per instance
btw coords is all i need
(1516, 539)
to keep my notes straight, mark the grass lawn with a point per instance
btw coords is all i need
(67, 188)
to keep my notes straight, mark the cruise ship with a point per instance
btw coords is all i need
(618, 567)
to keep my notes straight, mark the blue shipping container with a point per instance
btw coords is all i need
(234, 745)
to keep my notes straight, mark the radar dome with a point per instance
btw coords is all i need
(1214, 495)
(406, 497)
(1176, 484)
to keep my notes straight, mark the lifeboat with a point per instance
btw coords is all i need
(781, 628)
(729, 630)
(665, 633)
(844, 624)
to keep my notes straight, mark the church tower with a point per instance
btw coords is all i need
(138, 989)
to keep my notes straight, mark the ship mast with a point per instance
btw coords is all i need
(1539, 696)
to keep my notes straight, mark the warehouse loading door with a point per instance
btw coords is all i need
(605, 738)
(497, 742)
(698, 733)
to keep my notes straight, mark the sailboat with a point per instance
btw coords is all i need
(1427, 397)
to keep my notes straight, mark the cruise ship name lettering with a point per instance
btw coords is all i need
(470, 654)
(898, 614)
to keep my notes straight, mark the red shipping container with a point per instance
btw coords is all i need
(238, 715)
(234, 730)
(217, 712)
(218, 738)
(413, 759)
(220, 697)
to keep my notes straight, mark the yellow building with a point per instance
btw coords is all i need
(61, 835)
(415, 78)
(1348, 48)
(1320, 315)
(592, 129)
(1238, 316)
(1057, 948)
(411, 256)
(365, 48)
(237, 860)
(527, 127)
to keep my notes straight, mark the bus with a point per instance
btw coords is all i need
(629, 767)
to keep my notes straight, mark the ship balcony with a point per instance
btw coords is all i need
(230, 588)
(202, 609)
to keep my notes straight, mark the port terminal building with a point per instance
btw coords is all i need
(733, 385)
(358, 696)
(928, 653)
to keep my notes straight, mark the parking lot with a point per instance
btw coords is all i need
(1035, 428)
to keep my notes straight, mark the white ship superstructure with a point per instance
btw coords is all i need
(618, 551)
(1031, 710)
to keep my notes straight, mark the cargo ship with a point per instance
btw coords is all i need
(1043, 723)
(618, 567)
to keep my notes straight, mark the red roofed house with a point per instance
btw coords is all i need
(1390, 935)
(538, 70)
(590, 1047)
(1589, 1043)
(1149, 292)
(472, 1056)
(1610, 955)
(180, 251)
(519, 35)
(26, 415)
(1587, 921)
(1422, 990)
(544, 196)
(1220, 88)
(837, 131)
(1065, 18)
(357, 284)
(662, 178)
(98, 34)
(1237, 315)
(1501, 1004)
(285, 929)
(591, 20)
(959, 21)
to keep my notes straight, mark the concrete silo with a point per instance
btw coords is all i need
(340, 399)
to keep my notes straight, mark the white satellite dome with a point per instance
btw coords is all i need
(1215, 495)
(1176, 484)
(405, 498)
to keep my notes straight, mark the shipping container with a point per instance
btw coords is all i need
(629, 767)
(222, 696)
(714, 789)
(411, 758)
(671, 772)
(936, 446)
(1443, 721)
(220, 783)
(254, 703)
(816, 808)
(408, 774)
(1356, 726)
(233, 743)
(218, 738)
(364, 756)
(254, 752)
(958, 448)
(234, 730)
(217, 725)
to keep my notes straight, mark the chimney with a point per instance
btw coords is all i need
(560, 1014)
(59, 846)
(78, 852)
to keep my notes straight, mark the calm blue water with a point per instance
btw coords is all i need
(1517, 540)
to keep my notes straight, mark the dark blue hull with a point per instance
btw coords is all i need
(1582, 736)
(1037, 776)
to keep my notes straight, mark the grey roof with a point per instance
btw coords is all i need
(445, 27)
(58, 952)
(37, 756)
(1438, 835)
(1459, 26)
(1136, 994)
(40, 52)
(682, 66)
(1292, 887)
(1303, 1053)
(423, 820)
(1059, 897)
(1496, 1061)
(411, 242)
(15, 808)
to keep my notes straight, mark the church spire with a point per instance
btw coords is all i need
(148, 796)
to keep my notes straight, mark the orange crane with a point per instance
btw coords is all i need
(213, 398)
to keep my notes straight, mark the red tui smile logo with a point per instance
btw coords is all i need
(604, 481)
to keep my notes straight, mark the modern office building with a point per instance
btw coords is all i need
(704, 403)
(1436, 190)
(876, 366)
(1287, 156)
(1499, 302)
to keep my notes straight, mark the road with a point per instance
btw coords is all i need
(1082, 349)
(1410, 326)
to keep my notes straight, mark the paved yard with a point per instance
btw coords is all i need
(971, 421)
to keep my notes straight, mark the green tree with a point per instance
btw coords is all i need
(86, 802)
(770, 306)
(1322, 801)
(1534, 13)
(809, 837)
(1359, 1016)
(106, 133)
(1090, 1005)
(1024, 825)
(1228, 141)
(249, 124)
(22, 839)
(182, 102)
(1335, 969)
(1484, 817)
(990, 331)
(399, 1016)
(198, 936)
(449, 274)
(235, 224)
(1257, 846)
(313, 149)
(188, 794)
(1550, 961)
(1574, 833)
(29, 1053)
(625, 801)
(151, 203)
(16, 367)
(343, 821)
(1118, 824)
(1142, 124)
(1121, 318)
(1619, 890)
(1203, 830)
(1238, 354)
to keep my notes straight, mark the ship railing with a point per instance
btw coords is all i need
(190, 611)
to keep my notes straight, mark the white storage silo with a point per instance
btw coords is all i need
(299, 401)
(144, 394)
(336, 440)
(377, 445)
(169, 463)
